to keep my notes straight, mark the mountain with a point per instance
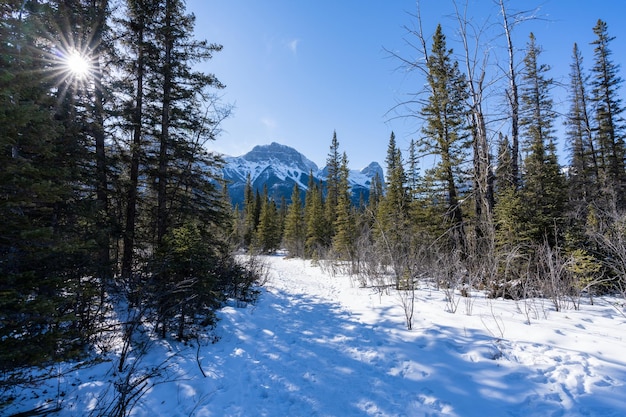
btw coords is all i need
(279, 167)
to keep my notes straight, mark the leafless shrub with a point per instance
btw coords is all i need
(257, 268)
(449, 273)
(407, 301)
(552, 277)
(609, 233)
(130, 385)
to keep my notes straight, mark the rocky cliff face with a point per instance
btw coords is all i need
(279, 167)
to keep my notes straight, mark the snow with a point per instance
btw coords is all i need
(315, 344)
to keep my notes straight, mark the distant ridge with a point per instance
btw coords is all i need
(279, 167)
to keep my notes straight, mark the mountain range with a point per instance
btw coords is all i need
(279, 167)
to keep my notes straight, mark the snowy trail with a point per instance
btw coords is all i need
(315, 345)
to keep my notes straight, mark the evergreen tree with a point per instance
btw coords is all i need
(333, 173)
(48, 270)
(504, 176)
(376, 192)
(183, 126)
(392, 213)
(413, 175)
(392, 160)
(251, 213)
(295, 232)
(609, 126)
(173, 182)
(345, 222)
(316, 229)
(268, 236)
(446, 134)
(512, 93)
(583, 172)
(543, 182)
(189, 293)
(139, 48)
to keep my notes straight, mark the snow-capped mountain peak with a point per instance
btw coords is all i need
(279, 167)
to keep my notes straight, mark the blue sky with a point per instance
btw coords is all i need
(297, 70)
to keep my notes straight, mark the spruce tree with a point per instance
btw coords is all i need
(172, 112)
(445, 131)
(138, 49)
(267, 236)
(345, 222)
(48, 273)
(392, 214)
(413, 174)
(295, 235)
(333, 168)
(543, 183)
(316, 229)
(609, 126)
(583, 170)
(504, 175)
(250, 213)
(182, 96)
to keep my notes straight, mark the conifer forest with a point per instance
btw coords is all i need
(113, 204)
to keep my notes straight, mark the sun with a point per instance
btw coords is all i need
(77, 64)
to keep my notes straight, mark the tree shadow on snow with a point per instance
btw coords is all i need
(297, 355)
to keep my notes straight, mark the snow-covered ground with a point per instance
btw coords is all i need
(317, 345)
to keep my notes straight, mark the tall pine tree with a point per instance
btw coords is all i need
(609, 126)
(295, 232)
(583, 174)
(345, 222)
(445, 132)
(543, 185)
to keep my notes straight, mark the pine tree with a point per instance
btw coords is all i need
(345, 222)
(316, 229)
(182, 101)
(393, 232)
(267, 236)
(609, 126)
(250, 213)
(543, 183)
(333, 168)
(583, 173)
(504, 175)
(445, 131)
(394, 206)
(391, 159)
(168, 116)
(48, 278)
(139, 48)
(413, 174)
(295, 232)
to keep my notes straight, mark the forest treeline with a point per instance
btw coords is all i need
(115, 215)
(497, 211)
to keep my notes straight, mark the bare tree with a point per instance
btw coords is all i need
(508, 24)
(476, 63)
(512, 94)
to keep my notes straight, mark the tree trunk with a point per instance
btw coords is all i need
(513, 98)
(162, 215)
(99, 13)
(135, 151)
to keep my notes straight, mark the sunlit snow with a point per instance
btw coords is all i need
(318, 345)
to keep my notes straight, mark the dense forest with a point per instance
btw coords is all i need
(112, 204)
(114, 207)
